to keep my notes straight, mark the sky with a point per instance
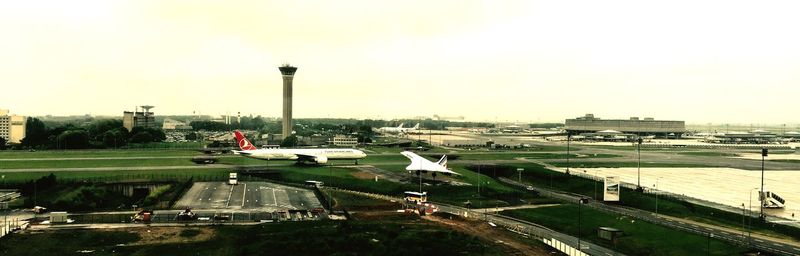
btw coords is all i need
(518, 61)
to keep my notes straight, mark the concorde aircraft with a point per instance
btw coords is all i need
(301, 155)
(421, 165)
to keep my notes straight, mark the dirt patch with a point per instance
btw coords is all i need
(167, 235)
(492, 234)
(363, 175)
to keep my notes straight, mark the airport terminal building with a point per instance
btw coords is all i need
(642, 127)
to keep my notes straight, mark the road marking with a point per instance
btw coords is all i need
(777, 244)
(230, 193)
(274, 199)
(244, 192)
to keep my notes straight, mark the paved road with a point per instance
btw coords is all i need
(760, 242)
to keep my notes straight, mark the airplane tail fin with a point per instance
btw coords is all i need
(443, 161)
(401, 125)
(244, 144)
(416, 126)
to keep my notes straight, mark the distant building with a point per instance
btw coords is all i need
(345, 141)
(12, 127)
(170, 124)
(634, 125)
(144, 119)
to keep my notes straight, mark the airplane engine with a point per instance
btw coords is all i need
(321, 160)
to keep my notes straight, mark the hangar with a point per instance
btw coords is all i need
(640, 127)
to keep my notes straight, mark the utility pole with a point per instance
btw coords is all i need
(761, 196)
(569, 137)
(639, 165)
(581, 201)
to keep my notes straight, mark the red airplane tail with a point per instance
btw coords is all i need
(244, 144)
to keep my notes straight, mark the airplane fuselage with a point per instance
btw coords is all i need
(294, 154)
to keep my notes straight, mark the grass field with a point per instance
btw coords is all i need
(539, 176)
(575, 163)
(402, 237)
(17, 154)
(708, 153)
(641, 238)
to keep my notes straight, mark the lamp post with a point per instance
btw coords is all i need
(656, 192)
(764, 153)
(595, 184)
(743, 225)
(639, 164)
(519, 172)
(569, 138)
(749, 212)
(581, 201)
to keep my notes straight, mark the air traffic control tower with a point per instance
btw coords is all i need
(288, 74)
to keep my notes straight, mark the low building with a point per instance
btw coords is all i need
(12, 127)
(640, 127)
(345, 141)
(171, 124)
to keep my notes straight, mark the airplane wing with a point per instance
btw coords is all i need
(320, 159)
(416, 161)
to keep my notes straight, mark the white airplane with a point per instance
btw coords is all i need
(398, 129)
(314, 155)
(421, 165)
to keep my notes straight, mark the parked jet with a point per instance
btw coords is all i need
(398, 129)
(421, 165)
(313, 155)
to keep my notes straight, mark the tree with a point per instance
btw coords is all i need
(114, 138)
(74, 139)
(2, 143)
(290, 141)
(98, 128)
(192, 136)
(142, 137)
(156, 134)
(36, 135)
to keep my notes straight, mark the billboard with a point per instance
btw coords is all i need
(611, 189)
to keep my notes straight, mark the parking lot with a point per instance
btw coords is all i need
(247, 196)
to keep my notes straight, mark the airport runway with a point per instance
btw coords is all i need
(261, 196)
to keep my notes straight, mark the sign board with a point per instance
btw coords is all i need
(611, 189)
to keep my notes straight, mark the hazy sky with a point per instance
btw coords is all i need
(699, 61)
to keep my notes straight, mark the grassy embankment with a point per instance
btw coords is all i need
(396, 237)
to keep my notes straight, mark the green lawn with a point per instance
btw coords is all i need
(17, 154)
(708, 153)
(641, 238)
(586, 164)
(541, 177)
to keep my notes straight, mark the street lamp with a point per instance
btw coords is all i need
(581, 201)
(749, 212)
(764, 153)
(639, 165)
(656, 192)
(743, 224)
(519, 171)
(569, 138)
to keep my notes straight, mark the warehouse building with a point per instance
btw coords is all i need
(640, 127)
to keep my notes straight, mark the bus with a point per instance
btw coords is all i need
(232, 180)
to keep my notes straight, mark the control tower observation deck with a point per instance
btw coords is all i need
(288, 75)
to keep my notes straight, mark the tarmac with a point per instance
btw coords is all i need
(250, 196)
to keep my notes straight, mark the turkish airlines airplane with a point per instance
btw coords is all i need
(398, 129)
(422, 165)
(314, 155)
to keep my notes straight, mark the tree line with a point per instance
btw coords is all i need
(105, 133)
